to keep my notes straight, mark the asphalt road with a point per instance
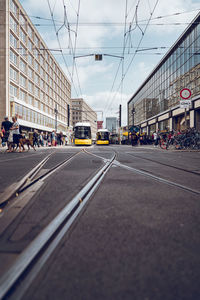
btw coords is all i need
(137, 237)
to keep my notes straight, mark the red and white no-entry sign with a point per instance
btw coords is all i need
(185, 93)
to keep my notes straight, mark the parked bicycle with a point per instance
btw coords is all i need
(185, 140)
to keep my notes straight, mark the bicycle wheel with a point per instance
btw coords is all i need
(163, 145)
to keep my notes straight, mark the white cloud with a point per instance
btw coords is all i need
(97, 78)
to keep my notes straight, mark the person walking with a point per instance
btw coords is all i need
(35, 138)
(155, 138)
(16, 134)
(5, 127)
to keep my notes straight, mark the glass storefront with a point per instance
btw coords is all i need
(180, 68)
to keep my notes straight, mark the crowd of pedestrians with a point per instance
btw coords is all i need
(12, 137)
(155, 138)
(49, 139)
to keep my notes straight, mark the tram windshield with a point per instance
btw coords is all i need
(104, 136)
(82, 132)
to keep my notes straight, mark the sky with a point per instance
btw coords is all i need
(122, 31)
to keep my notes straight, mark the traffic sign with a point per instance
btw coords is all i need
(185, 103)
(185, 93)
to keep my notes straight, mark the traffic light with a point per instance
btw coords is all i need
(120, 115)
(98, 56)
(68, 115)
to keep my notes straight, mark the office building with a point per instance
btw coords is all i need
(82, 112)
(32, 84)
(156, 103)
(111, 124)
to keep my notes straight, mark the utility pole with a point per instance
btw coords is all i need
(56, 115)
(120, 122)
(68, 115)
(120, 115)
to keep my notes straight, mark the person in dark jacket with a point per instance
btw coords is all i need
(6, 125)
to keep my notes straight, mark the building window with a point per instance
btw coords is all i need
(13, 7)
(22, 81)
(22, 36)
(37, 93)
(13, 41)
(23, 51)
(13, 74)
(22, 96)
(13, 57)
(30, 100)
(36, 103)
(13, 90)
(13, 24)
(22, 66)
(37, 79)
(30, 31)
(37, 41)
(30, 73)
(30, 59)
(37, 66)
(30, 87)
(22, 20)
(30, 45)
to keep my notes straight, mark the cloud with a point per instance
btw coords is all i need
(108, 104)
(96, 36)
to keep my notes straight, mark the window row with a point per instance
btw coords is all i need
(40, 51)
(55, 83)
(46, 106)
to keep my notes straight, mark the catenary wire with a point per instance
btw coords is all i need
(127, 69)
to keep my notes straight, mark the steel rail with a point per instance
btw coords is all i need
(152, 160)
(165, 181)
(47, 173)
(13, 189)
(46, 238)
(28, 180)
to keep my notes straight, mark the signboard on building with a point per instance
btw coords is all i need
(99, 125)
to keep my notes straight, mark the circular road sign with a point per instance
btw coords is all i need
(185, 93)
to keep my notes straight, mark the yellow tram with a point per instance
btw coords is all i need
(102, 137)
(82, 134)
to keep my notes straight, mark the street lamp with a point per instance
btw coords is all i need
(56, 115)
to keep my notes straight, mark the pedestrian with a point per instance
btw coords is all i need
(16, 135)
(155, 138)
(35, 138)
(53, 138)
(41, 139)
(5, 128)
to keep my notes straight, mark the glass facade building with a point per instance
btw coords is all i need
(155, 105)
(111, 124)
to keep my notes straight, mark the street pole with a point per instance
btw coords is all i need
(185, 118)
(56, 114)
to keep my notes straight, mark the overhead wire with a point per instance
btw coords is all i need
(127, 69)
(58, 40)
(105, 23)
(125, 41)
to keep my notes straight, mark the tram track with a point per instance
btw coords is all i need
(38, 251)
(152, 176)
(31, 178)
(164, 164)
